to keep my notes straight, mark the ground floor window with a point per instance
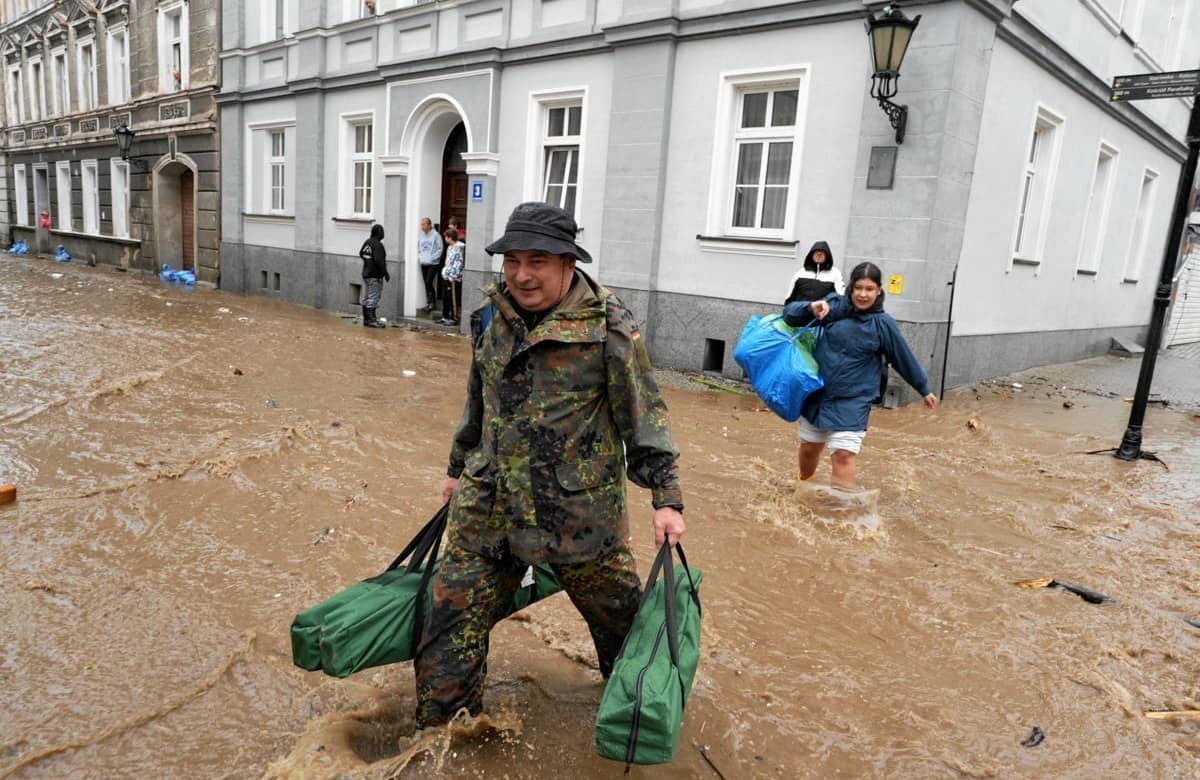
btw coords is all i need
(89, 174)
(119, 178)
(21, 186)
(62, 186)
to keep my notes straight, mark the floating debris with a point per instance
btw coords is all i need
(1087, 594)
(1035, 738)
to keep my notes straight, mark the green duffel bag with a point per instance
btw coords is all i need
(309, 625)
(378, 621)
(641, 710)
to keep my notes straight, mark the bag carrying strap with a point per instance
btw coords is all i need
(664, 563)
(423, 541)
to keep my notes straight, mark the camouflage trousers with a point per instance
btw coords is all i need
(470, 594)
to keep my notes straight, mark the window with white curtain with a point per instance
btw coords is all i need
(90, 180)
(119, 185)
(174, 59)
(21, 190)
(118, 66)
(86, 72)
(61, 82)
(37, 89)
(62, 187)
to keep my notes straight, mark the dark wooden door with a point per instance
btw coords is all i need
(454, 179)
(187, 208)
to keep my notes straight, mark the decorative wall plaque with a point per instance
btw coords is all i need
(39, 133)
(18, 136)
(63, 130)
(119, 120)
(180, 110)
(89, 125)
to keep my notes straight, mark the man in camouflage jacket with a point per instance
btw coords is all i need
(561, 398)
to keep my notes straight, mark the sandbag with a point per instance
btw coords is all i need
(778, 360)
(641, 710)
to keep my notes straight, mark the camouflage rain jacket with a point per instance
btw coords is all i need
(553, 416)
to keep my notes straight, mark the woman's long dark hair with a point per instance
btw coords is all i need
(867, 271)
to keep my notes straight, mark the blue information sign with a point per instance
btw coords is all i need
(476, 191)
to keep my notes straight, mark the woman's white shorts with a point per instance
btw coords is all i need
(850, 441)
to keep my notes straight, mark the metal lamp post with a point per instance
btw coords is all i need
(890, 33)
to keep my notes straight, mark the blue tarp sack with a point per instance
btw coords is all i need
(779, 361)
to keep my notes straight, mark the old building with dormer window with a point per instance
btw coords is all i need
(110, 135)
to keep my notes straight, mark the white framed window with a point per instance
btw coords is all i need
(86, 73)
(272, 20)
(37, 89)
(16, 106)
(277, 162)
(1095, 224)
(555, 147)
(61, 82)
(118, 66)
(270, 167)
(562, 134)
(21, 190)
(358, 138)
(62, 189)
(1037, 187)
(173, 49)
(119, 185)
(757, 153)
(1141, 226)
(90, 181)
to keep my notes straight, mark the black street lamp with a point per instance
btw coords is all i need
(124, 141)
(890, 33)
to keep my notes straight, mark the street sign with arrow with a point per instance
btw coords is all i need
(1150, 86)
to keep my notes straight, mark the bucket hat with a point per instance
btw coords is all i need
(539, 226)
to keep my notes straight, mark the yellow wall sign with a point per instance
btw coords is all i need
(895, 284)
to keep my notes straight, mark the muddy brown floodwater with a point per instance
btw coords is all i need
(195, 468)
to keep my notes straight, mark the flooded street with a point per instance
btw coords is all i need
(195, 468)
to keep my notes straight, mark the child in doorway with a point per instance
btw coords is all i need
(855, 332)
(452, 273)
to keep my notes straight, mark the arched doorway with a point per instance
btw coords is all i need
(436, 136)
(175, 215)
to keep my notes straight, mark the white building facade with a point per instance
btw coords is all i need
(703, 145)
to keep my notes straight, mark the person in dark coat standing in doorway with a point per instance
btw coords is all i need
(374, 274)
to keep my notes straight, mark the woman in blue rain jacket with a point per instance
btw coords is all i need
(855, 332)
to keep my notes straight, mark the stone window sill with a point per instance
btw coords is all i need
(354, 220)
(1085, 272)
(1026, 261)
(740, 245)
(97, 237)
(267, 217)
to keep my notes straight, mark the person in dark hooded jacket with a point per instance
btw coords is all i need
(855, 333)
(817, 278)
(374, 274)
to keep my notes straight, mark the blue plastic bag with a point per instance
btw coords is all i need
(779, 361)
